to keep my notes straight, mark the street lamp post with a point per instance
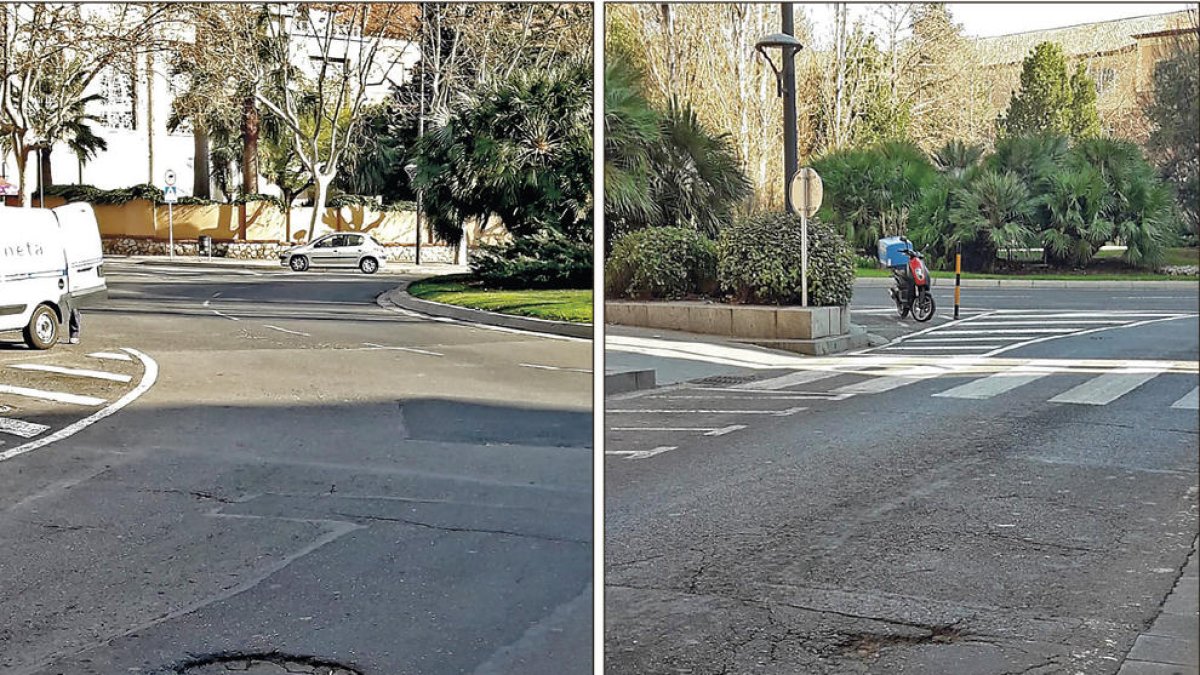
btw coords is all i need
(411, 170)
(785, 85)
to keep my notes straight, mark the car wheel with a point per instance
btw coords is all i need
(368, 265)
(42, 331)
(298, 263)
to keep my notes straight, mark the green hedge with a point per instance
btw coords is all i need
(759, 258)
(152, 193)
(661, 263)
(545, 260)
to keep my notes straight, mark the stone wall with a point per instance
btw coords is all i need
(258, 250)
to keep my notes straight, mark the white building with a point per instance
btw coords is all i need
(137, 105)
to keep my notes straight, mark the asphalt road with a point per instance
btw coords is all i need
(948, 509)
(294, 470)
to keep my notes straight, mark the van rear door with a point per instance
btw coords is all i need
(81, 239)
(33, 268)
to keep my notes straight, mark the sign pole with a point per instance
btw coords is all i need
(804, 255)
(171, 225)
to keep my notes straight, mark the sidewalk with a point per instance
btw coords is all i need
(1171, 646)
(238, 263)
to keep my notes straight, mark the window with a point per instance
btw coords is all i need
(1106, 80)
(118, 109)
(353, 240)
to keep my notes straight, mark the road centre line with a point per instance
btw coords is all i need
(1190, 401)
(414, 350)
(57, 396)
(150, 374)
(284, 330)
(21, 427)
(934, 338)
(112, 356)
(73, 372)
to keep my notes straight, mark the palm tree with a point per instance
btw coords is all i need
(696, 176)
(631, 128)
(1075, 201)
(956, 157)
(991, 213)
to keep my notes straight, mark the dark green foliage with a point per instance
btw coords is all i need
(520, 148)
(955, 158)
(543, 260)
(1075, 201)
(663, 169)
(376, 156)
(94, 195)
(991, 212)
(869, 192)
(661, 263)
(339, 201)
(1052, 100)
(1175, 137)
(759, 261)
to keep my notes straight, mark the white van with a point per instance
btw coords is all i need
(50, 262)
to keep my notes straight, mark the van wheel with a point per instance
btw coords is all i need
(368, 265)
(42, 331)
(298, 263)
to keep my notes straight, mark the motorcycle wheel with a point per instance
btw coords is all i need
(923, 307)
(901, 306)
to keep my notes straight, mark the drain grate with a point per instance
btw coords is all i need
(263, 664)
(725, 380)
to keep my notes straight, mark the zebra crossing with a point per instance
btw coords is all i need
(995, 332)
(39, 392)
(642, 426)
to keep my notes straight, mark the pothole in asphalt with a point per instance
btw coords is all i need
(872, 644)
(263, 664)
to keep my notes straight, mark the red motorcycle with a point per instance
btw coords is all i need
(912, 292)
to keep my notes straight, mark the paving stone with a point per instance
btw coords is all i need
(1147, 668)
(1176, 626)
(1165, 650)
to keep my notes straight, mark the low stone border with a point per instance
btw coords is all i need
(943, 282)
(399, 297)
(625, 381)
(258, 250)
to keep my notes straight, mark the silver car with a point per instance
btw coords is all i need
(342, 249)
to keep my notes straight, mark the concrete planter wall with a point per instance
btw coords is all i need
(811, 330)
(758, 322)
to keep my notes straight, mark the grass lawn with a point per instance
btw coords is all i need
(573, 305)
(1106, 267)
(1174, 256)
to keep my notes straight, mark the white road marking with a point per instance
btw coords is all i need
(73, 372)
(667, 411)
(789, 380)
(414, 350)
(937, 346)
(642, 454)
(708, 431)
(284, 330)
(112, 356)
(766, 396)
(934, 338)
(541, 367)
(58, 396)
(1006, 331)
(992, 385)
(21, 427)
(1109, 387)
(769, 394)
(224, 315)
(1047, 322)
(1136, 324)
(149, 375)
(1190, 401)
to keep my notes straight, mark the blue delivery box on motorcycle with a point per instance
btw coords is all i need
(891, 252)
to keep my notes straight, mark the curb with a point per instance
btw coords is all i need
(625, 381)
(390, 269)
(399, 297)
(1039, 283)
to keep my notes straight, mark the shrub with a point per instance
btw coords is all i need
(869, 192)
(545, 260)
(758, 261)
(662, 263)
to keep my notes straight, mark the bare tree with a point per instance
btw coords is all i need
(321, 107)
(49, 56)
